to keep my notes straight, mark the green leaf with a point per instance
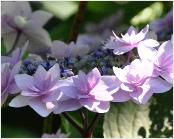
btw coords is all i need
(9, 131)
(127, 120)
(68, 128)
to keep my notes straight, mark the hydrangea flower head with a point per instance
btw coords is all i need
(38, 91)
(137, 83)
(130, 40)
(85, 90)
(18, 21)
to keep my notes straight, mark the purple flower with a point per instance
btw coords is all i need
(8, 85)
(58, 134)
(61, 50)
(16, 56)
(130, 40)
(38, 91)
(160, 24)
(18, 21)
(137, 83)
(161, 58)
(88, 90)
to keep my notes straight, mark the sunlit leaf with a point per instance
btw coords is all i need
(148, 14)
(127, 120)
(61, 9)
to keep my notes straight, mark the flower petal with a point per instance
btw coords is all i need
(68, 105)
(60, 50)
(159, 85)
(148, 43)
(13, 88)
(93, 77)
(103, 107)
(147, 53)
(121, 96)
(112, 82)
(142, 34)
(165, 48)
(90, 104)
(54, 71)
(123, 49)
(40, 107)
(25, 82)
(167, 76)
(70, 91)
(40, 42)
(15, 70)
(121, 74)
(14, 8)
(127, 87)
(142, 94)
(41, 17)
(100, 93)
(19, 101)
(131, 30)
(81, 82)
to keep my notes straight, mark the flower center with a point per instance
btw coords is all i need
(20, 21)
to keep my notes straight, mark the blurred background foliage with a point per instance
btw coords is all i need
(24, 122)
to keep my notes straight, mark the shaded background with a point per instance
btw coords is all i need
(24, 122)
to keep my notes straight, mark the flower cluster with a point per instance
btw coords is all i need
(78, 74)
(19, 22)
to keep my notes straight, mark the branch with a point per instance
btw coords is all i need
(69, 118)
(84, 117)
(93, 123)
(77, 21)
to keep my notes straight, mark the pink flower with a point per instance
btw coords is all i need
(38, 91)
(161, 58)
(130, 40)
(19, 21)
(58, 134)
(88, 90)
(137, 83)
(8, 85)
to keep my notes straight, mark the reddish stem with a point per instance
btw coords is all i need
(77, 21)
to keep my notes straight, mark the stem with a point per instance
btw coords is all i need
(15, 43)
(82, 115)
(47, 125)
(92, 125)
(87, 132)
(77, 21)
(70, 119)
(86, 118)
